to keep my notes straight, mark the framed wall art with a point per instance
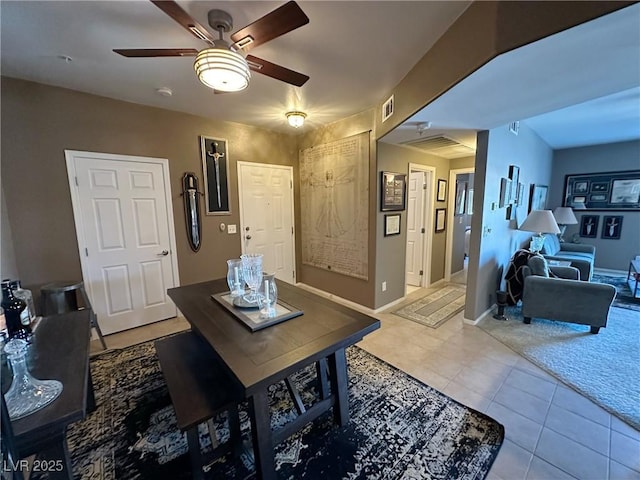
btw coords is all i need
(392, 224)
(611, 227)
(441, 218)
(392, 191)
(603, 191)
(589, 226)
(538, 198)
(442, 190)
(216, 175)
(461, 198)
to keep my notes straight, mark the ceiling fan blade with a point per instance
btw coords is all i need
(172, 9)
(280, 21)
(156, 52)
(276, 71)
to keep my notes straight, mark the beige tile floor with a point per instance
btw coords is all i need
(552, 432)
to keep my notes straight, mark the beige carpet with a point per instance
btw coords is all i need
(437, 306)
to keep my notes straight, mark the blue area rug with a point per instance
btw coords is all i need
(624, 295)
(400, 428)
(603, 367)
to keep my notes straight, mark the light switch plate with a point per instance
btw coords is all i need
(231, 229)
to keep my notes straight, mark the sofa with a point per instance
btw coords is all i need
(563, 297)
(580, 255)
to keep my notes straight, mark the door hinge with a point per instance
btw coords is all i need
(421, 273)
(422, 230)
(291, 230)
(424, 186)
(86, 252)
(291, 184)
(77, 184)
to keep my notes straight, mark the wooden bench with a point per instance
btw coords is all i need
(200, 388)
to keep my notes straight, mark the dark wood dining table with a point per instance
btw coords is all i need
(261, 358)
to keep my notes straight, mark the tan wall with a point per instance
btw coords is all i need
(354, 289)
(40, 122)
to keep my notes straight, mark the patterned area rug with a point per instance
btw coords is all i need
(436, 307)
(624, 296)
(399, 428)
(602, 367)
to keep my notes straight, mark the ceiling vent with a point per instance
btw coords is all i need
(441, 146)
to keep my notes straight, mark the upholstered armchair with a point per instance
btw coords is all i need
(580, 255)
(564, 298)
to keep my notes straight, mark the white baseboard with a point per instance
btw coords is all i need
(485, 314)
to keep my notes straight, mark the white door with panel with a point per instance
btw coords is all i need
(123, 215)
(415, 227)
(266, 216)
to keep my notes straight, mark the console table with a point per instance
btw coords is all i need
(633, 276)
(60, 351)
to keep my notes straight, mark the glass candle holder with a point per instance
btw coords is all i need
(268, 296)
(235, 277)
(252, 273)
(26, 394)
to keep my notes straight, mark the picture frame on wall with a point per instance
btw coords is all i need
(392, 191)
(538, 198)
(461, 198)
(589, 226)
(441, 218)
(442, 190)
(505, 192)
(392, 224)
(603, 191)
(611, 227)
(215, 164)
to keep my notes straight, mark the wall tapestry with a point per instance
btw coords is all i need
(334, 198)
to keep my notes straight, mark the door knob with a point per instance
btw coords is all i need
(248, 237)
(164, 253)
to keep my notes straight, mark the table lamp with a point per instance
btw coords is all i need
(539, 221)
(564, 216)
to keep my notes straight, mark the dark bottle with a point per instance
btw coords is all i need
(13, 308)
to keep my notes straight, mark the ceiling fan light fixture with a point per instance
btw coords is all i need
(222, 69)
(296, 119)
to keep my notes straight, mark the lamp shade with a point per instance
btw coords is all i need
(222, 69)
(565, 216)
(540, 221)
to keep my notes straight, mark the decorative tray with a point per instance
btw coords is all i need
(250, 315)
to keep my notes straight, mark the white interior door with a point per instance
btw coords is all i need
(123, 214)
(415, 228)
(266, 216)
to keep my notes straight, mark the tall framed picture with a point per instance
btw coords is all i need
(441, 216)
(442, 190)
(216, 175)
(589, 226)
(611, 227)
(538, 198)
(392, 191)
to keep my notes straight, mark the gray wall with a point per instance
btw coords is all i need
(391, 251)
(497, 149)
(613, 157)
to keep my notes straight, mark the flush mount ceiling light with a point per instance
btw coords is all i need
(296, 119)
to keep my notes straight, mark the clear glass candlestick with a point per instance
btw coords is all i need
(268, 296)
(26, 394)
(235, 277)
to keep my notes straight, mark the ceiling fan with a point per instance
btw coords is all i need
(223, 66)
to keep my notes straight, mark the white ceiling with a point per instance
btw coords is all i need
(578, 87)
(354, 51)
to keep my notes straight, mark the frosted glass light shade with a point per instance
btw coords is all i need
(296, 119)
(222, 69)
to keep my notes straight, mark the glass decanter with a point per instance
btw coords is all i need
(252, 273)
(268, 296)
(26, 394)
(235, 278)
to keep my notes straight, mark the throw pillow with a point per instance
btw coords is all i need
(551, 244)
(538, 266)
